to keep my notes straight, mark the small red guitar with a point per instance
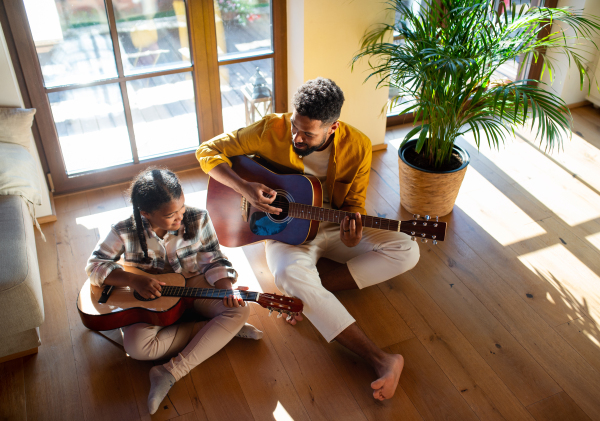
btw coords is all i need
(300, 197)
(110, 307)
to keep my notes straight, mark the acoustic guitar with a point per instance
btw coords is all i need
(111, 307)
(300, 197)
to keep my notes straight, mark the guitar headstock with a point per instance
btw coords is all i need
(425, 228)
(282, 304)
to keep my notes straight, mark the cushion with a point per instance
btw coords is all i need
(15, 125)
(18, 173)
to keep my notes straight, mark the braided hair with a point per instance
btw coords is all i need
(149, 191)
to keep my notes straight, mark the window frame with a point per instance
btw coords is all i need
(204, 67)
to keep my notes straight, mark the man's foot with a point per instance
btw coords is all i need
(249, 332)
(389, 372)
(160, 384)
(293, 319)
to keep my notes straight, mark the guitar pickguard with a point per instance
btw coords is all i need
(261, 224)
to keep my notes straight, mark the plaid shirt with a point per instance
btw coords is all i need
(200, 255)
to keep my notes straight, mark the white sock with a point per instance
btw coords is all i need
(249, 332)
(160, 384)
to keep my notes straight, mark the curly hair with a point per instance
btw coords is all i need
(319, 99)
(149, 191)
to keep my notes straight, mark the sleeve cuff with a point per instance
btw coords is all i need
(220, 272)
(101, 272)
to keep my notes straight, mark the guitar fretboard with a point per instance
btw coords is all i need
(172, 291)
(299, 210)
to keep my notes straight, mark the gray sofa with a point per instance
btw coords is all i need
(21, 303)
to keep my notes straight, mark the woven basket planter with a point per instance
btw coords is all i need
(428, 192)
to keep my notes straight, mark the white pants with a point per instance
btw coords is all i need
(191, 343)
(379, 256)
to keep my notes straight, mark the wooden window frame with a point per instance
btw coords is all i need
(204, 68)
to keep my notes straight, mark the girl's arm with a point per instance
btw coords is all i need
(102, 267)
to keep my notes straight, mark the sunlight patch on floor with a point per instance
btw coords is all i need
(594, 239)
(547, 181)
(570, 277)
(496, 213)
(280, 414)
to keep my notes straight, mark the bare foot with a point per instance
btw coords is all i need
(292, 320)
(385, 386)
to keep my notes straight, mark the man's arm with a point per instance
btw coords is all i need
(259, 195)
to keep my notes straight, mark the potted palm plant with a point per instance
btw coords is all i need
(444, 70)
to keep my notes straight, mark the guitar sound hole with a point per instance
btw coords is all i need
(283, 203)
(140, 298)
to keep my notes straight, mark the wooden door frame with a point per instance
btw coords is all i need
(202, 32)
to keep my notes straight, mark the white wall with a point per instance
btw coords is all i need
(323, 36)
(566, 78)
(10, 96)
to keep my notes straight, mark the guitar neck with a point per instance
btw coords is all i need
(314, 213)
(218, 294)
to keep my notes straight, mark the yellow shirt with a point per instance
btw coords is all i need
(271, 138)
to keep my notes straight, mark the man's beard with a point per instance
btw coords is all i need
(308, 151)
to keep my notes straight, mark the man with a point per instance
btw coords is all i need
(312, 140)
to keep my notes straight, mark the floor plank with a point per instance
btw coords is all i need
(583, 334)
(256, 363)
(479, 385)
(427, 386)
(479, 324)
(12, 391)
(51, 380)
(559, 407)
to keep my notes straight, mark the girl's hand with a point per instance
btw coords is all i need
(230, 300)
(147, 287)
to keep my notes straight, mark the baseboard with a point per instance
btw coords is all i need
(379, 147)
(579, 105)
(19, 355)
(49, 218)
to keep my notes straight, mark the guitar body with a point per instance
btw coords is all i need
(237, 226)
(123, 308)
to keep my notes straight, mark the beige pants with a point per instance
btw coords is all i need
(379, 256)
(187, 344)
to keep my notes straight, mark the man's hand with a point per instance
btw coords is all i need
(260, 196)
(147, 287)
(230, 300)
(351, 230)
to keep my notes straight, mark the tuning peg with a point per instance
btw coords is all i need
(423, 235)
(279, 315)
(413, 238)
(437, 219)
(416, 216)
(423, 240)
(427, 217)
(270, 312)
(433, 237)
(289, 317)
(434, 242)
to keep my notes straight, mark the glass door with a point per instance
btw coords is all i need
(118, 77)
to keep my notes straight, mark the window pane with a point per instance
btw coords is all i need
(242, 103)
(72, 41)
(91, 127)
(153, 35)
(164, 114)
(243, 26)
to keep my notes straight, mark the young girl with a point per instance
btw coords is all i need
(162, 236)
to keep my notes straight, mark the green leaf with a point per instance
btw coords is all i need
(422, 138)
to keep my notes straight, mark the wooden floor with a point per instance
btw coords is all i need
(500, 321)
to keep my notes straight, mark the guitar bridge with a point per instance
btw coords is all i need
(245, 207)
